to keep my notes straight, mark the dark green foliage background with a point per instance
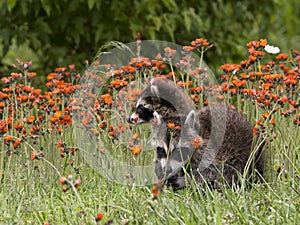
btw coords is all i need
(62, 32)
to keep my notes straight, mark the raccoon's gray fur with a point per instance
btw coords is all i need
(225, 148)
(226, 138)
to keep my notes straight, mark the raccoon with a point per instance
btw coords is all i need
(224, 138)
(225, 147)
(170, 157)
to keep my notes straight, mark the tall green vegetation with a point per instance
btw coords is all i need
(65, 32)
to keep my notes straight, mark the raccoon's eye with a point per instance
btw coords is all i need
(144, 113)
(140, 109)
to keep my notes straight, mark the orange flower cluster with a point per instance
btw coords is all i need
(273, 86)
(196, 142)
(28, 113)
(169, 53)
(199, 42)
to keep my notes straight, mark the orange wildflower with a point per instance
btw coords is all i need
(60, 69)
(65, 120)
(267, 86)
(31, 74)
(196, 142)
(169, 52)
(118, 83)
(129, 69)
(136, 149)
(36, 92)
(155, 191)
(254, 44)
(17, 143)
(58, 114)
(8, 138)
(255, 131)
(51, 76)
(6, 79)
(227, 68)
(188, 48)
(282, 57)
(107, 99)
(33, 156)
(18, 126)
(265, 115)
(135, 136)
(263, 42)
(3, 95)
(252, 58)
(22, 98)
(259, 122)
(60, 143)
(171, 125)
(63, 180)
(30, 119)
(244, 76)
(28, 88)
(99, 216)
(53, 119)
(272, 121)
(284, 99)
(16, 75)
(199, 42)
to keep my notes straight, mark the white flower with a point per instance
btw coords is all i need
(272, 49)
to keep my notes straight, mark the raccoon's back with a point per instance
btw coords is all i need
(227, 135)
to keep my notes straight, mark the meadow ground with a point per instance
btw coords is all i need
(47, 176)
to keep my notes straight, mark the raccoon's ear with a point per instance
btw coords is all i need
(157, 118)
(154, 90)
(191, 119)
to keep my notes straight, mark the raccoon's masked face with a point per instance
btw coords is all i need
(144, 110)
(143, 113)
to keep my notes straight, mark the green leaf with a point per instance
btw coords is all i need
(187, 22)
(99, 33)
(152, 33)
(11, 4)
(5, 34)
(24, 7)
(91, 3)
(157, 22)
(34, 40)
(43, 27)
(46, 6)
(170, 4)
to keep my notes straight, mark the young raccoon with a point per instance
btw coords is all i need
(173, 149)
(224, 138)
(224, 149)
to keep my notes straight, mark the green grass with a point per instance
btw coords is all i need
(31, 193)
